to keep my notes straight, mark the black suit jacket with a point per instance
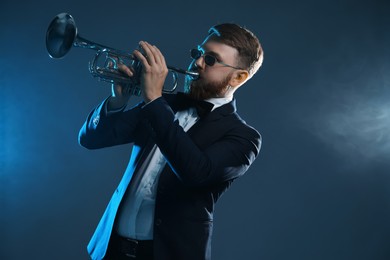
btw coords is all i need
(201, 164)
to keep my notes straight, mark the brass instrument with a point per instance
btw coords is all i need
(62, 35)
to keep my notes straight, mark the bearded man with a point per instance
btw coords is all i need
(188, 148)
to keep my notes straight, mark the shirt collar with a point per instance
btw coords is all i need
(217, 102)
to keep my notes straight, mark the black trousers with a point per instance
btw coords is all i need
(121, 248)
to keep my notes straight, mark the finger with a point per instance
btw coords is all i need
(147, 52)
(160, 55)
(124, 69)
(156, 54)
(112, 61)
(152, 53)
(142, 59)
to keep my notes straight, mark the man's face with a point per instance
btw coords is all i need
(213, 80)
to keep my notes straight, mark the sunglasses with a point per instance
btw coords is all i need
(210, 60)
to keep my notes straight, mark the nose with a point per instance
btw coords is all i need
(199, 63)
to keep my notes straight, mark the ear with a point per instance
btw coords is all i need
(239, 77)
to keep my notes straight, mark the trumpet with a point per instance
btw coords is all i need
(62, 35)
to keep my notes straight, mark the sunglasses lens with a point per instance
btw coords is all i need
(195, 54)
(209, 60)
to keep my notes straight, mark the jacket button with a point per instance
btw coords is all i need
(96, 120)
(158, 222)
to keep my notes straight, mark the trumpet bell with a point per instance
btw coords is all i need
(60, 35)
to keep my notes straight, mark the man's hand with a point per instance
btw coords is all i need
(154, 71)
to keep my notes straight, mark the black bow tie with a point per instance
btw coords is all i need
(183, 102)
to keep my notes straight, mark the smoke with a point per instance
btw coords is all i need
(349, 107)
(355, 120)
(361, 126)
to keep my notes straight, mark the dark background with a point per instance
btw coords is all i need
(320, 188)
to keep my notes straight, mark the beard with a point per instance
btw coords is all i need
(201, 90)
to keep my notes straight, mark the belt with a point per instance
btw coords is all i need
(132, 248)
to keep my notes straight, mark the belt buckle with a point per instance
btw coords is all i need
(134, 245)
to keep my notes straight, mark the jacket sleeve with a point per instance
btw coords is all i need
(225, 159)
(103, 130)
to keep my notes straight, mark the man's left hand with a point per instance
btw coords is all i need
(154, 71)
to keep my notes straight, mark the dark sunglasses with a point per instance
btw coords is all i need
(210, 60)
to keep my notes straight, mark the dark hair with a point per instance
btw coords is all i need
(247, 44)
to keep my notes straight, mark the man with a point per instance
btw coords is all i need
(184, 157)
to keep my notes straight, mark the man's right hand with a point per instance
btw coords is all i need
(120, 94)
